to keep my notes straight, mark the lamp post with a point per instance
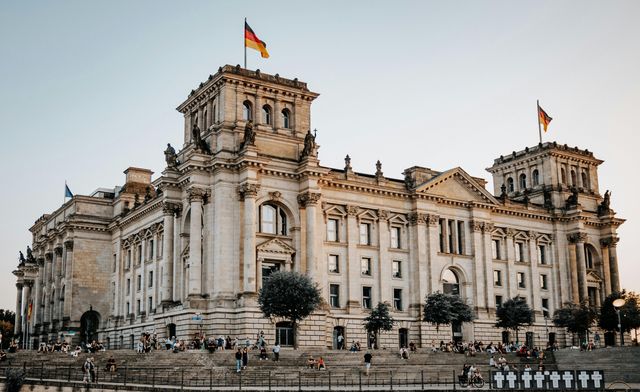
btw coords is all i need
(617, 304)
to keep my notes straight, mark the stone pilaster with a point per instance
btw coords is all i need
(512, 282)
(578, 239)
(17, 328)
(309, 201)
(57, 279)
(68, 247)
(416, 271)
(613, 265)
(196, 196)
(536, 299)
(168, 211)
(353, 262)
(433, 245)
(248, 193)
(479, 281)
(487, 261)
(606, 266)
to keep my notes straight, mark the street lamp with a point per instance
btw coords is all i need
(617, 304)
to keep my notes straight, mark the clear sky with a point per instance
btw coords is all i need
(89, 88)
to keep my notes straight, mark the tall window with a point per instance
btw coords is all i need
(128, 258)
(334, 295)
(334, 265)
(151, 244)
(247, 112)
(149, 304)
(545, 307)
(585, 180)
(452, 227)
(397, 269)
(563, 176)
(139, 283)
(542, 254)
(450, 283)
(510, 187)
(215, 114)
(365, 234)
(574, 180)
(535, 177)
(266, 114)
(150, 278)
(365, 266)
(286, 118)
(498, 301)
(366, 297)
(588, 257)
(521, 282)
(395, 237)
(523, 181)
(138, 307)
(495, 249)
(139, 253)
(520, 251)
(115, 262)
(461, 237)
(128, 286)
(497, 278)
(332, 230)
(397, 299)
(441, 231)
(543, 282)
(128, 308)
(273, 220)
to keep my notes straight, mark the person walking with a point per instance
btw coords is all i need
(276, 352)
(245, 358)
(367, 362)
(88, 370)
(238, 360)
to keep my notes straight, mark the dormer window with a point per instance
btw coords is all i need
(266, 114)
(247, 112)
(286, 118)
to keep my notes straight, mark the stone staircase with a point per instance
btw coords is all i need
(618, 363)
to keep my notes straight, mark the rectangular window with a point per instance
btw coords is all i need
(461, 237)
(115, 262)
(545, 307)
(521, 283)
(332, 230)
(366, 297)
(128, 258)
(138, 307)
(128, 308)
(520, 251)
(543, 282)
(452, 227)
(365, 234)
(334, 295)
(397, 269)
(160, 242)
(441, 231)
(497, 278)
(397, 299)
(150, 304)
(150, 278)
(542, 254)
(128, 286)
(365, 266)
(495, 249)
(334, 265)
(139, 253)
(139, 285)
(151, 249)
(395, 237)
(498, 301)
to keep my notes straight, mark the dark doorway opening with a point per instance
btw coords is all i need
(89, 324)
(403, 337)
(284, 333)
(338, 343)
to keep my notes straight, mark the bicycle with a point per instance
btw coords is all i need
(475, 381)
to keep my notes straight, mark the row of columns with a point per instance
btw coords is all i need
(577, 260)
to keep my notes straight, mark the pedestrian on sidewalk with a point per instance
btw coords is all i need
(245, 358)
(276, 352)
(238, 360)
(88, 370)
(367, 362)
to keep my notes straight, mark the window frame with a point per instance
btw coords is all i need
(335, 257)
(330, 222)
(367, 234)
(397, 300)
(286, 118)
(521, 280)
(247, 110)
(368, 299)
(368, 271)
(280, 219)
(544, 282)
(497, 278)
(394, 237)
(267, 115)
(396, 272)
(334, 298)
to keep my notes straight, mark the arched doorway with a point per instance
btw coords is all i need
(89, 324)
(338, 338)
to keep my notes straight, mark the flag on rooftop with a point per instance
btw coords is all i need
(252, 41)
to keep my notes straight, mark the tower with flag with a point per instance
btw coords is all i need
(252, 41)
(543, 120)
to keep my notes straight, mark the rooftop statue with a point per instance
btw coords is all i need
(249, 135)
(171, 157)
(309, 145)
(21, 258)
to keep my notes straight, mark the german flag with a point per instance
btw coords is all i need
(252, 41)
(543, 118)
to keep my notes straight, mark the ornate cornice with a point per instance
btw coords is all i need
(577, 237)
(417, 218)
(308, 199)
(248, 190)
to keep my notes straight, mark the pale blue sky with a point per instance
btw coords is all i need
(89, 88)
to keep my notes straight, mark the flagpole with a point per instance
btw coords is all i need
(538, 113)
(244, 43)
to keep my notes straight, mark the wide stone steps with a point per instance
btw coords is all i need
(618, 363)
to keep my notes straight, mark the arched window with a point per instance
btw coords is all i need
(585, 180)
(563, 176)
(574, 180)
(536, 177)
(510, 185)
(450, 283)
(589, 258)
(247, 112)
(266, 114)
(286, 118)
(523, 181)
(205, 119)
(273, 219)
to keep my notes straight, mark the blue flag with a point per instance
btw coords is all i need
(67, 191)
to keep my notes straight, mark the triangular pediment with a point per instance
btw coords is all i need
(592, 277)
(456, 184)
(276, 246)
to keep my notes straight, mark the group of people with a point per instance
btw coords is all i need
(502, 364)
(317, 364)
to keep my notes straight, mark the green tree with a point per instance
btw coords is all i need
(629, 312)
(7, 315)
(378, 320)
(575, 318)
(442, 309)
(513, 314)
(290, 295)
(7, 321)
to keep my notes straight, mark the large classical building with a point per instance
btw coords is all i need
(246, 195)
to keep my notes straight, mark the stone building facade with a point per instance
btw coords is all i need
(246, 195)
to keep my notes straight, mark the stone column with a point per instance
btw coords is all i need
(353, 263)
(417, 270)
(27, 299)
(48, 264)
(57, 278)
(433, 244)
(308, 201)
(578, 239)
(68, 245)
(168, 211)
(479, 281)
(17, 328)
(613, 265)
(249, 192)
(35, 313)
(196, 196)
(487, 228)
(536, 299)
(384, 262)
(512, 281)
(606, 266)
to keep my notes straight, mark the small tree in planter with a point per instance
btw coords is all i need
(514, 314)
(575, 318)
(378, 320)
(443, 309)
